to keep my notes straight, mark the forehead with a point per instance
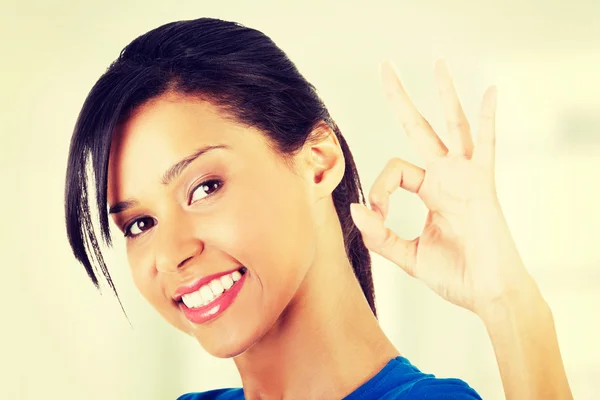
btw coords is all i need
(164, 131)
(172, 120)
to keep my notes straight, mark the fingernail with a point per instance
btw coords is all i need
(358, 215)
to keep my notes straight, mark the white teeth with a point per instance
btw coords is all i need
(190, 300)
(216, 287)
(196, 298)
(207, 293)
(226, 281)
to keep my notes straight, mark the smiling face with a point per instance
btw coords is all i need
(232, 203)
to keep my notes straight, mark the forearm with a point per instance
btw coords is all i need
(521, 328)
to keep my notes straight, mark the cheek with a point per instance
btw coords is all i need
(144, 276)
(148, 283)
(273, 235)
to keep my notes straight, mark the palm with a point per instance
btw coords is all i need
(458, 252)
(440, 260)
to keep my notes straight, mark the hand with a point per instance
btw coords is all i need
(465, 253)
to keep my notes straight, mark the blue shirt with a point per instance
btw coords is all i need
(398, 380)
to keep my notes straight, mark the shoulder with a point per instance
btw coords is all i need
(440, 389)
(401, 380)
(217, 394)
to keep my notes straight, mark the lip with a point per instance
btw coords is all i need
(198, 283)
(216, 307)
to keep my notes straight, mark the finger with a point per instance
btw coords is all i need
(484, 152)
(426, 141)
(397, 173)
(460, 140)
(382, 240)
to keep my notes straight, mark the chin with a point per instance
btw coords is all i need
(227, 346)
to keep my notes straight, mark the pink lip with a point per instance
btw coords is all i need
(198, 283)
(216, 307)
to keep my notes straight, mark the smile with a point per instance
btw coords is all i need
(211, 291)
(212, 298)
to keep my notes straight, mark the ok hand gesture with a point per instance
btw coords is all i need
(465, 253)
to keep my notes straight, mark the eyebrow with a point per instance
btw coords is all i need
(168, 177)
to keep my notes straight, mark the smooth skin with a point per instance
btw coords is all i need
(466, 253)
(301, 326)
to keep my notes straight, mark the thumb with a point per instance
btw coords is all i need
(381, 240)
(369, 222)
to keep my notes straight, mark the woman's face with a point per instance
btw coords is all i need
(201, 197)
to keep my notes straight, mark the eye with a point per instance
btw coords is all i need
(205, 189)
(139, 226)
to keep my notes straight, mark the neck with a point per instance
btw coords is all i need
(324, 345)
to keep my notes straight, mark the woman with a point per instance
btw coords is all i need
(245, 227)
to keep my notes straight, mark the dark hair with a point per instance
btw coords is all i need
(236, 68)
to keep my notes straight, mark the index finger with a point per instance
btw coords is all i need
(426, 141)
(397, 173)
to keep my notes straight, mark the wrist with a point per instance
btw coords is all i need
(522, 301)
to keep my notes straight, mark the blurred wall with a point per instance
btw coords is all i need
(64, 340)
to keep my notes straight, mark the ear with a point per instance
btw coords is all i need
(323, 160)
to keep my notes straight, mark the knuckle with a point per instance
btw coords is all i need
(392, 163)
(395, 162)
(395, 165)
(375, 197)
(389, 239)
(460, 125)
(415, 124)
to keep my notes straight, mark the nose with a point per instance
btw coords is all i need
(176, 243)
